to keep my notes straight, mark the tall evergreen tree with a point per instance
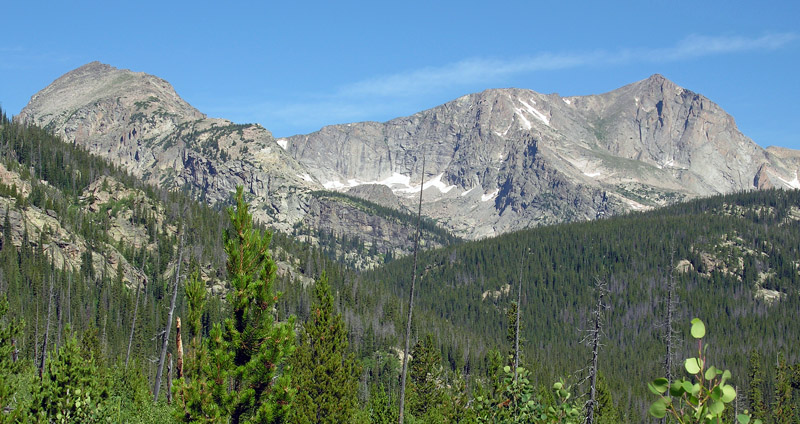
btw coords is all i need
(783, 409)
(70, 389)
(512, 334)
(426, 369)
(244, 374)
(382, 406)
(10, 364)
(325, 373)
(606, 412)
(755, 393)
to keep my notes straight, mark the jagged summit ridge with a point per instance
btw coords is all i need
(503, 159)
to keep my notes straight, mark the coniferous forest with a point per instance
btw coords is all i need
(97, 269)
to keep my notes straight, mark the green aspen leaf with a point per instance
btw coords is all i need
(698, 328)
(728, 394)
(725, 376)
(558, 385)
(658, 409)
(757, 421)
(658, 386)
(687, 386)
(716, 408)
(693, 365)
(711, 372)
(677, 389)
(507, 369)
(743, 419)
(717, 393)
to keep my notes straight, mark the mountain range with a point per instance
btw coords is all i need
(102, 231)
(494, 162)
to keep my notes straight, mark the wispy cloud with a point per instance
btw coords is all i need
(479, 70)
(373, 97)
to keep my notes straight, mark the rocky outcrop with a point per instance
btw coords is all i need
(387, 234)
(42, 229)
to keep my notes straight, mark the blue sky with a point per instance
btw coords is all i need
(295, 66)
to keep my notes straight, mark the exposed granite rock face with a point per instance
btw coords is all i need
(387, 235)
(496, 161)
(505, 159)
(139, 122)
(378, 194)
(781, 170)
(63, 246)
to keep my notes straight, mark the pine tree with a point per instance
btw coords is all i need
(195, 400)
(382, 406)
(70, 389)
(242, 372)
(783, 410)
(511, 334)
(325, 373)
(10, 364)
(755, 394)
(426, 369)
(606, 413)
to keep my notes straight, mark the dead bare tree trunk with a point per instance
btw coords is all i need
(14, 350)
(133, 324)
(519, 309)
(58, 316)
(169, 379)
(36, 336)
(160, 369)
(411, 300)
(669, 331)
(47, 330)
(69, 299)
(595, 335)
(179, 346)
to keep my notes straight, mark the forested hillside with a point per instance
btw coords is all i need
(734, 261)
(89, 257)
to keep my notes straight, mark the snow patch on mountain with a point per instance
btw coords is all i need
(794, 183)
(489, 196)
(397, 182)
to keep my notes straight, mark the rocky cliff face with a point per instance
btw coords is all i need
(505, 159)
(139, 122)
(495, 161)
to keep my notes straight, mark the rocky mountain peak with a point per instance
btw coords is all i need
(95, 83)
(141, 123)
